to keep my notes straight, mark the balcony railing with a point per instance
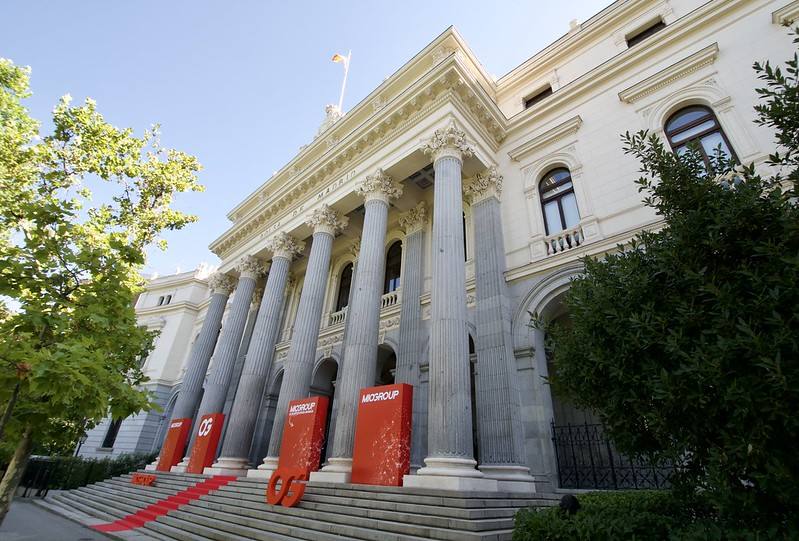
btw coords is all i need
(389, 299)
(338, 317)
(565, 240)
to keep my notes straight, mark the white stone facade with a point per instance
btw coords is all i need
(449, 142)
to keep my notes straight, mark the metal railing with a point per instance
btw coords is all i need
(586, 458)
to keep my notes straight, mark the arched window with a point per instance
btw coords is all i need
(697, 124)
(344, 288)
(558, 201)
(168, 299)
(160, 300)
(393, 267)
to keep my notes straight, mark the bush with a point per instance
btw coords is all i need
(639, 515)
(65, 473)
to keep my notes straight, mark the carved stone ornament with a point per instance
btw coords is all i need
(449, 141)
(379, 186)
(285, 246)
(355, 248)
(256, 298)
(486, 184)
(414, 220)
(221, 283)
(250, 267)
(326, 220)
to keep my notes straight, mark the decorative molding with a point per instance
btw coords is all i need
(355, 248)
(256, 298)
(441, 53)
(415, 219)
(285, 246)
(221, 283)
(486, 184)
(379, 186)
(665, 77)
(557, 133)
(449, 141)
(786, 15)
(250, 267)
(326, 220)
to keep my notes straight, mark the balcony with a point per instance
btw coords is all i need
(565, 240)
(392, 298)
(336, 318)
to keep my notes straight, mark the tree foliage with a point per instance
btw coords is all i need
(687, 341)
(78, 209)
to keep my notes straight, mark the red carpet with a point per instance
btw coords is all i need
(153, 511)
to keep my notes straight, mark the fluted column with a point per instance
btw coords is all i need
(449, 462)
(299, 364)
(411, 339)
(499, 423)
(233, 459)
(360, 349)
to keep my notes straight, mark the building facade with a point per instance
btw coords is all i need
(413, 237)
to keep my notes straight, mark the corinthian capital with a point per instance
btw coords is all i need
(486, 184)
(250, 267)
(221, 283)
(415, 219)
(449, 141)
(326, 220)
(379, 186)
(285, 246)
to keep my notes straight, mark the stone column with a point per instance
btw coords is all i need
(360, 348)
(234, 458)
(411, 340)
(227, 348)
(325, 222)
(499, 422)
(449, 463)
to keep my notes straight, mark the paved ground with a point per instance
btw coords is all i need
(27, 522)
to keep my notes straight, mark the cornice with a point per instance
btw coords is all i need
(678, 70)
(557, 133)
(624, 62)
(449, 81)
(788, 14)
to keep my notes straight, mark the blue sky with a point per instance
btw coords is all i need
(243, 84)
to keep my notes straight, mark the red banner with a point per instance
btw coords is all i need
(382, 452)
(203, 453)
(174, 444)
(303, 434)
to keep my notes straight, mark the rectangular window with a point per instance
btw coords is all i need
(645, 32)
(111, 435)
(535, 98)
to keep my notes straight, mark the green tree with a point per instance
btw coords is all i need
(70, 348)
(687, 341)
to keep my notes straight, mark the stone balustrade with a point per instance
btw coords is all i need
(565, 240)
(392, 298)
(337, 318)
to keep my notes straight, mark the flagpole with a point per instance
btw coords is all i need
(344, 82)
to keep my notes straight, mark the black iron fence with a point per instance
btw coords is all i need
(44, 473)
(586, 458)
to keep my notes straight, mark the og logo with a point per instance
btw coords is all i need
(291, 489)
(205, 426)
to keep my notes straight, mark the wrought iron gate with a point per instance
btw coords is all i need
(586, 459)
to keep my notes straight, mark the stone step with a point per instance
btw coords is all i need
(486, 520)
(76, 502)
(225, 530)
(181, 532)
(350, 526)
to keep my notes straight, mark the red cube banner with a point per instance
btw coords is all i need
(174, 444)
(382, 452)
(303, 434)
(203, 453)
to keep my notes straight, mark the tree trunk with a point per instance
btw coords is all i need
(9, 410)
(13, 475)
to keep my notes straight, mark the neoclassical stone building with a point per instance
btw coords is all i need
(412, 238)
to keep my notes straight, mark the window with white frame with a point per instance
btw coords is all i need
(558, 201)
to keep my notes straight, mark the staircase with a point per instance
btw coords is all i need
(238, 511)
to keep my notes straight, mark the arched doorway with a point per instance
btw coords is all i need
(324, 384)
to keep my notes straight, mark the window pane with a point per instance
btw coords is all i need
(552, 216)
(570, 212)
(688, 134)
(686, 116)
(711, 142)
(554, 191)
(552, 178)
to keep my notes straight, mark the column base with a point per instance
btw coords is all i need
(181, 467)
(446, 473)
(236, 467)
(265, 470)
(509, 477)
(152, 465)
(337, 470)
